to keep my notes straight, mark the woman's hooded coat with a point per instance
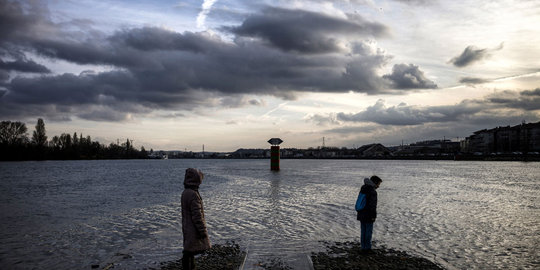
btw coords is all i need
(193, 222)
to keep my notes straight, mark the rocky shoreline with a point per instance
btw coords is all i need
(349, 255)
(227, 257)
(338, 255)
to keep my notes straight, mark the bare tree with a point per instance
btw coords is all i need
(13, 133)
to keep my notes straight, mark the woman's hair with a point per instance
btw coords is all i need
(376, 180)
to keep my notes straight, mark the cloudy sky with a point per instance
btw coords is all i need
(230, 74)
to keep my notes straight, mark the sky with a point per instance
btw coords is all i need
(229, 74)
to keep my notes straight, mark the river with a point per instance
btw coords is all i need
(75, 214)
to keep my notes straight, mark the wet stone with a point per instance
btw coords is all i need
(349, 255)
(274, 264)
(228, 256)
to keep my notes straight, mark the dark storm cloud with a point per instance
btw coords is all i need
(473, 80)
(409, 77)
(13, 18)
(235, 102)
(4, 76)
(532, 93)
(404, 114)
(305, 31)
(370, 2)
(323, 120)
(468, 56)
(69, 89)
(24, 66)
(527, 100)
(153, 39)
(156, 69)
(494, 106)
(104, 114)
(471, 55)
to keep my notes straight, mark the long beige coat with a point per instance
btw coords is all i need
(193, 222)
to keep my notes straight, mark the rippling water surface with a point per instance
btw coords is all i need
(75, 214)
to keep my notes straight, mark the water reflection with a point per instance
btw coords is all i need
(274, 200)
(470, 215)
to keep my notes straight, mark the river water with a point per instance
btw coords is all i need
(75, 214)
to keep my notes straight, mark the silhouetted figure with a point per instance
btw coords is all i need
(193, 223)
(368, 214)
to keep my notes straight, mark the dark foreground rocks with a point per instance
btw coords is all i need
(349, 255)
(228, 256)
(338, 255)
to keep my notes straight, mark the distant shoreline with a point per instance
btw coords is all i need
(461, 157)
(434, 158)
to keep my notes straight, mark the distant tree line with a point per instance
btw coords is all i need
(16, 145)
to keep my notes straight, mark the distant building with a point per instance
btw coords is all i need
(291, 153)
(427, 148)
(522, 138)
(249, 153)
(373, 150)
(158, 155)
(287, 152)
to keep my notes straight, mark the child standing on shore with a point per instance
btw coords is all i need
(368, 214)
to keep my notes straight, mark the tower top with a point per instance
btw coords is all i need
(275, 141)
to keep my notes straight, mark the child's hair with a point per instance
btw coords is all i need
(376, 180)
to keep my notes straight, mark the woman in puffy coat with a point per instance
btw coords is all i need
(193, 223)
